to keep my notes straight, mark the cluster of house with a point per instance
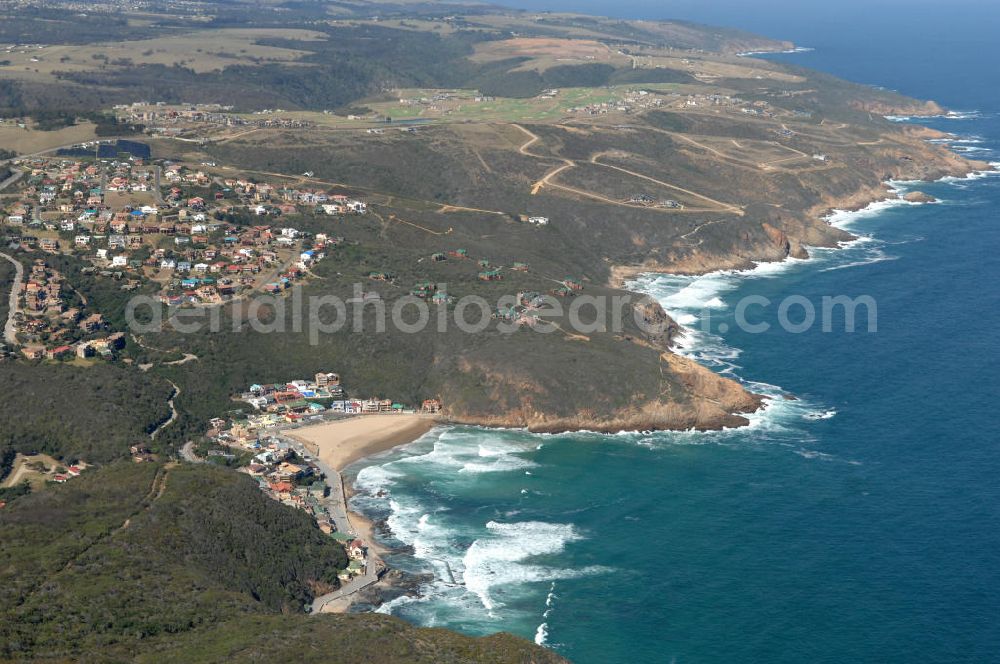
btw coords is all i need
(645, 200)
(757, 108)
(71, 472)
(279, 404)
(294, 396)
(487, 271)
(428, 290)
(528, 304)
(114, 214)
(72, 192)
(297, 482)
(220, 260)
(47, 328)
(161, 118)
(629, 101)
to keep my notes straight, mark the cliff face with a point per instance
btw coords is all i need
(786, 211)
(693, 183)
(909, 107)
(709, 401)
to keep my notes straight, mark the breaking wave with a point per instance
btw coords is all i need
(496, 568)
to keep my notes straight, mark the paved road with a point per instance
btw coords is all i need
(103, 139)
(187, 453)
(157, 192)
(336, 505)
(341, 598)
(11, 180)
(10, 327)
(336, 502)
(173, 411)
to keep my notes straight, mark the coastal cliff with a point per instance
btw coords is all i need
(709, 401)
(782, 232)
(737, 166)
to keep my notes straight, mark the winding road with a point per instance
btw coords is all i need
(10, 327)
(173, 412)
(547, 180)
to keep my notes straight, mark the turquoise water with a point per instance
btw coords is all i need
(858, 522)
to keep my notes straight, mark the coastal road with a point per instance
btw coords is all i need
(336, 505)
(340, 599)
(10, 327)
(549, 181)
(336, 502)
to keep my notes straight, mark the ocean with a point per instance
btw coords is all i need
(859, 521)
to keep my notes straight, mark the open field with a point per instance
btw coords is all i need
(414, 24)
(422, 105)
(202, 51)
(36, 469)
(708, 70)
(119, 199)
(556, 23)
(549, 52)
(29, 141)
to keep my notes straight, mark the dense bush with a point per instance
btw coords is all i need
(134, 552)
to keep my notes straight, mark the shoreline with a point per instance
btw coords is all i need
(889, 194)
(337, 445)
(342, 442)
(858, 201)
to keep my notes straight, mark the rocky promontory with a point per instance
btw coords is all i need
(918, 197)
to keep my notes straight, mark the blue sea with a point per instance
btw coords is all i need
(857, 522)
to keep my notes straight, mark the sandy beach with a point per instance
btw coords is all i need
(342, 442)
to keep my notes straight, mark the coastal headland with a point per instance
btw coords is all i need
(401, 163)
(643, 147)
